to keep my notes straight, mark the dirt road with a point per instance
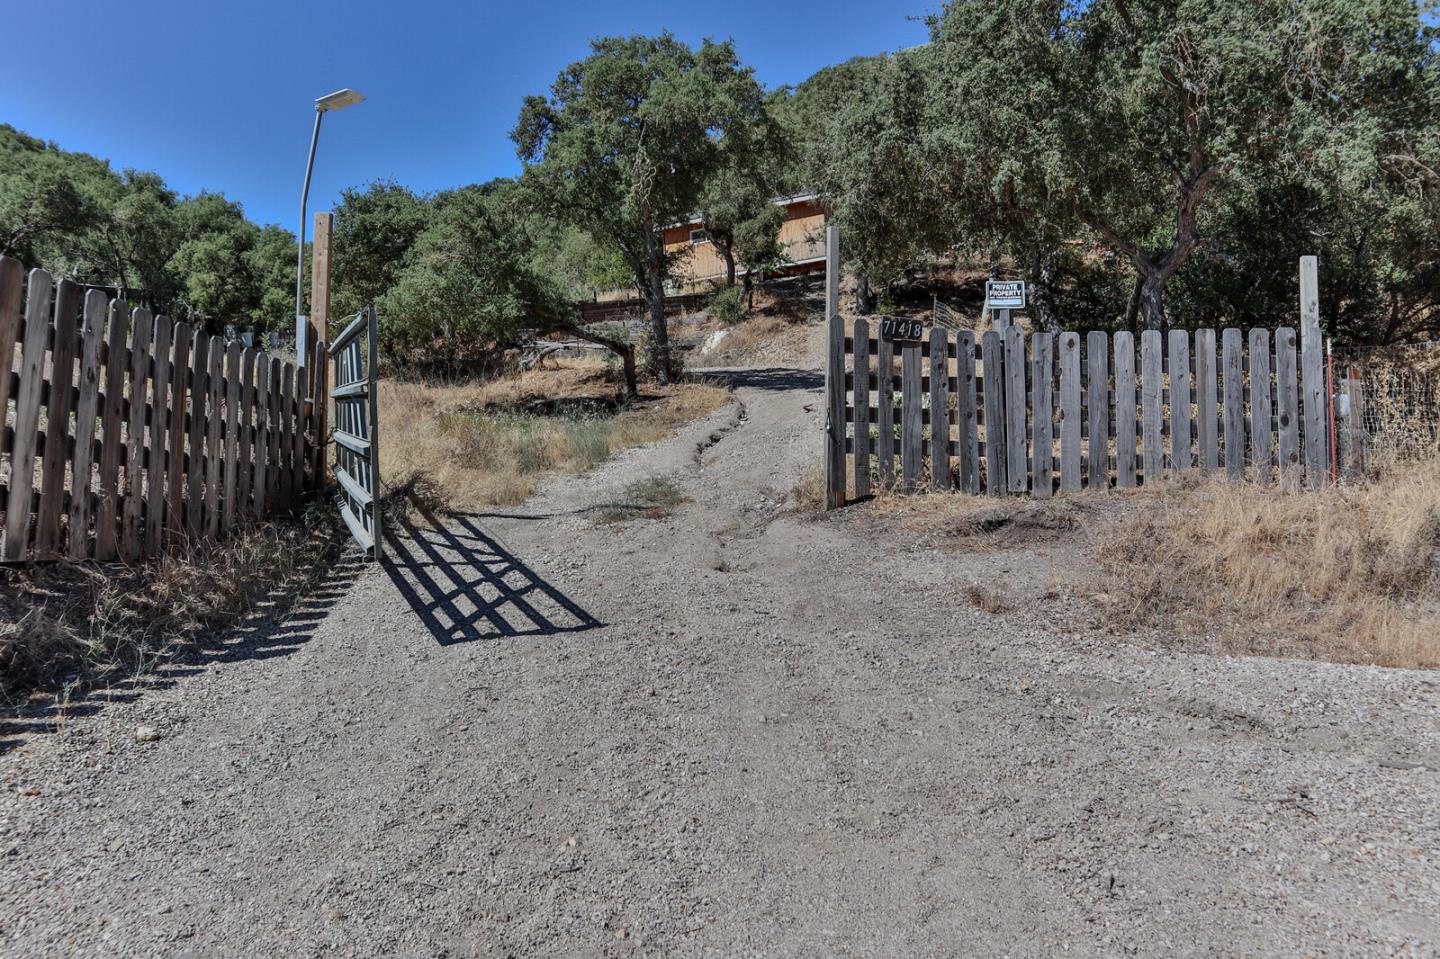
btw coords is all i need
(732, 731)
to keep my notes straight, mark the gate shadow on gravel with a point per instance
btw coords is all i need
(277, 625)
(465, 586)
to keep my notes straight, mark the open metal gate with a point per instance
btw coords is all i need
(355, 431)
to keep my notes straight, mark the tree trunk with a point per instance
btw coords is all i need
(620, 348)
(1132, 306)
(1152, 300)
(1042, 278)
(749, 289)
(728, 253)
(655, 301)
(864, 298)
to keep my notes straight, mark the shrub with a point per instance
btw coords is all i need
(726, 306)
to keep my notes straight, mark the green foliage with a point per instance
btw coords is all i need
(1199, 145)
(196, 258)
(725, 305)
(469, 286)
(625, 140)
(375, 227)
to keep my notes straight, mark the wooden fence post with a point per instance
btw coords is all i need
(1097, 346)
(1261, 417)
(1207, 420)
(57, 427)
(1042, 443)
(1312, 369)
(992, 385)
(939, 408)
(1017, 451)
(1126, 408)
(319, 370)
(967, 413)
(87, 414)
(1152, 390)
(860, 390)
(834, 376)
(1181, 458)
(1233, 385)
(107, 511)
(1070, 412)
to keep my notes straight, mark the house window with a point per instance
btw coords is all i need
(699, 236)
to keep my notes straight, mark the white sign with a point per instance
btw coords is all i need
(1005, 294)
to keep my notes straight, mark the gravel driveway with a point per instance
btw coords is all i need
(733, 731)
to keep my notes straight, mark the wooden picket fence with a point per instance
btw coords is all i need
(127, 434)
(992, 412)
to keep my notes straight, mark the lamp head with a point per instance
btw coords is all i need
(338, 100)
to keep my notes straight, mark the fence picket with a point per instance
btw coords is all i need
(1070, 412)
(297, 438)
(993, 389)
(112, 443)
(161, 413)
(246, 460)
(1287, 401)
(1316, 435)
(260, 481)
(1260, 408)
(1207, 420)
(1017, 451)
(1125, 409)
(1152, 392)
(1097, 347)
(87, 412)
(132, 541)
(57, 426)
(12, 281)
(27, 415)
(272, 438)
(885, 407)
(287, 438)
(214, 380)
(1232, 370)
(910, 416)
(1181, 458)
(939, 408)
(1042, 366)
(233, 356)
(861, 378)
(194, 524)
(967, 428)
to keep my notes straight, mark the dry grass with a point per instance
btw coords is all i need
(959, 520)
(1349, 573)
(71, 626)
(986, 600)
(761, 339)
(489, 443)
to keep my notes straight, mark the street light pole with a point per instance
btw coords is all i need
(300, 319)
(333, 101)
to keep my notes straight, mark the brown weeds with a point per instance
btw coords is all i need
(489, 443)
(75, 625)
(1348, 572)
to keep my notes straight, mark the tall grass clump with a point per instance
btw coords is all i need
(1349, 572)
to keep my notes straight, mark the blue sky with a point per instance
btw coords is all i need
(218, 95)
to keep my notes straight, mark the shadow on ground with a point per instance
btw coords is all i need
(775, 379)
(278, 625)
(465, 586)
